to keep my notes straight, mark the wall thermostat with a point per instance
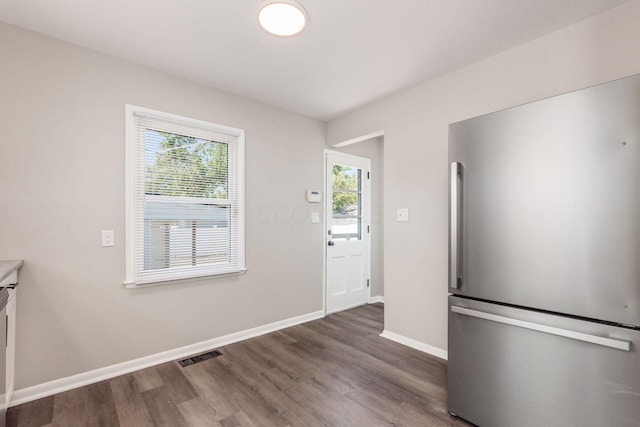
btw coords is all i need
(314, 196)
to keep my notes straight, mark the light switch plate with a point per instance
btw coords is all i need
(107, 238)
(315, 217)
(403, 214)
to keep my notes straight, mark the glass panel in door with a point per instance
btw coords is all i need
(346, 219)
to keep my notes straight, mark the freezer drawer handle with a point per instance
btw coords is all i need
(455, 278)
(594, 339)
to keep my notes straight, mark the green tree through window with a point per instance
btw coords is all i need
(187, 166)
(344, 178)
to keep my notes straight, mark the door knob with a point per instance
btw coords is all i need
(330, 243)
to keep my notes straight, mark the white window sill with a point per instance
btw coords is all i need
(134, 285)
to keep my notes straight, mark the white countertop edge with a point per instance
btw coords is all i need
(7, 268)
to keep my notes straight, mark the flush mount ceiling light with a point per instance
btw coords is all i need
(282, 17)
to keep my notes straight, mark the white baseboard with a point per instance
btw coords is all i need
(409, 342)
(377, 298)
(63, 384)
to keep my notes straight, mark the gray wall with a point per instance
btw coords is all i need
(415, 122)
(62, 112)
(374, 149)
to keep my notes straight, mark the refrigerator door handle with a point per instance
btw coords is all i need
(455, 278)
(594, 339)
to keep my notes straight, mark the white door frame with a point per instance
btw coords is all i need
(325, 224)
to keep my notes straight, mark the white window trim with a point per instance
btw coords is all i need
(130, 195)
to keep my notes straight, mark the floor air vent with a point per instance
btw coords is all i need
(199, 358)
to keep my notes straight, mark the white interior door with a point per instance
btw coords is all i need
(348, 231)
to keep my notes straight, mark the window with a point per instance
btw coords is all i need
(184, 198)
(346, 222)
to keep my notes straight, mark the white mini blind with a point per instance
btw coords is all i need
(187, 198)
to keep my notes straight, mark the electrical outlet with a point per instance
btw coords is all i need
(403, 214)
(107, 238)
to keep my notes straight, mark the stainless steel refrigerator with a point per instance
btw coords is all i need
(544, 262)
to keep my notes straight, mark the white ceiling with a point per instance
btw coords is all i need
(351, 53)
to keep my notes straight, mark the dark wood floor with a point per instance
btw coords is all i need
(335, 371)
